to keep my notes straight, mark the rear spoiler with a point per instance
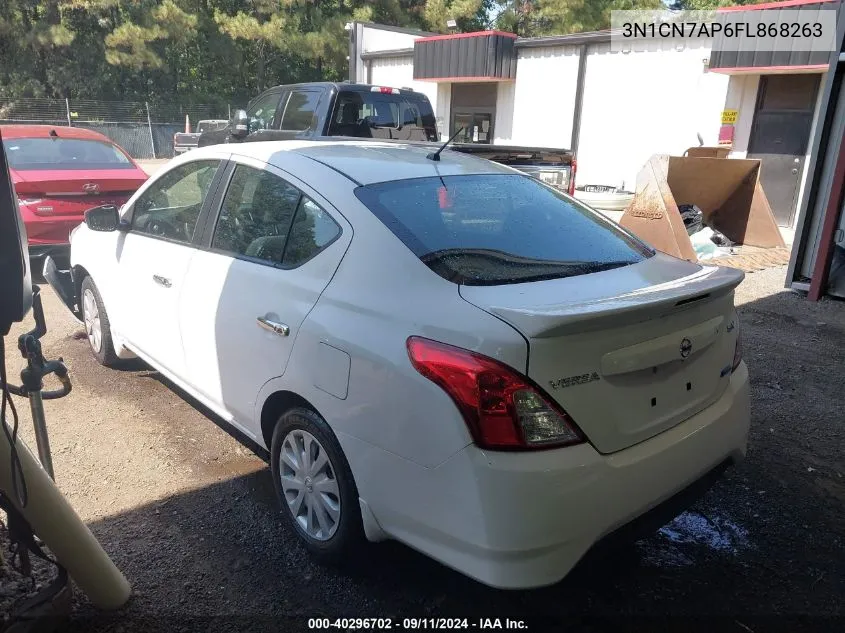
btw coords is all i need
(651, 302)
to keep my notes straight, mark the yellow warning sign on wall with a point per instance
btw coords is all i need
(729, 117)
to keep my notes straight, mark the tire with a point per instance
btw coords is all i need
(97, 326)
(330, 539)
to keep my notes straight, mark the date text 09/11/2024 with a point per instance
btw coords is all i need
(415, 624)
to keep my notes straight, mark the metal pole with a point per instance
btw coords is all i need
(150, 126)
(583, 52)
(67, 109)
(353, 54)
(42, 439)
(229, 108)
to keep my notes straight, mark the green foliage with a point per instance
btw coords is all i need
(226, 51)
(546, 17)
(703, 5)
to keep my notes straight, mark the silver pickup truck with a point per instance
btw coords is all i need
(184, 141)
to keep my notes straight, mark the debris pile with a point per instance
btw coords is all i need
(706, 241)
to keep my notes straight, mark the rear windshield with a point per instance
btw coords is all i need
(210, 126)
(63, 153)
(499, 229)
(378, 115)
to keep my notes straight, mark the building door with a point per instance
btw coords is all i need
(473, 109)
(477, 126)
(779, 137)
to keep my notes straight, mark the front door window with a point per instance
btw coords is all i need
(169, 209)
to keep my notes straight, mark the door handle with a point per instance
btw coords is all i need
(162, 281)
(273, 326)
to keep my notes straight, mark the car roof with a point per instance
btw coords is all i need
(341, 86)
(366, 162)
(43, 131)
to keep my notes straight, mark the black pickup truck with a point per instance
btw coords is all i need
(323, 109)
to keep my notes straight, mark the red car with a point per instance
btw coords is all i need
(60, 172)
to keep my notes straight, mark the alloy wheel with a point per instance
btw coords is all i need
(309, 484)
(91, 315)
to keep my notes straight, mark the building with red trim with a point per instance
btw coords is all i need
(614, 107)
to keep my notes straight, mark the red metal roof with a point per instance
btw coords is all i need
(455, 36)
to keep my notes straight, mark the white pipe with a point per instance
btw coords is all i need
(53, 519)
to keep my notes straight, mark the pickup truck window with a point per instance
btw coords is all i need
(498, 229)
(380, 115)
(300, 109)
(262, 112)
(209, 126)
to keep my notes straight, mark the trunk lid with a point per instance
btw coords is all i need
(628, 352)
(72, 192)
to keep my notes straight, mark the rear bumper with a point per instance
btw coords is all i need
(51, 232)
(521, 520)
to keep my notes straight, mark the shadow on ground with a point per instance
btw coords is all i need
(764, 546)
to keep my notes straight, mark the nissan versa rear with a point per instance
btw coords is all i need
(483, 368)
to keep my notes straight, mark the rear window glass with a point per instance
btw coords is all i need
(499, 229)
(64, 153)
(379, 115)
(211, 126)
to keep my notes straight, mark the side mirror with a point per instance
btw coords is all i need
(240, 124)
(103, 219)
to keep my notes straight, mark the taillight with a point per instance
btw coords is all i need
(503, 409)
(738, 348)
(384, 90)
(573, 168)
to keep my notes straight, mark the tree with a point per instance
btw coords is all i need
(437, 12)
(547, 17)
(194, 51)
(32, 38)
(703, 5)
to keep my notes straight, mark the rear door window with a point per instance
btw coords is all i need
(256, 215)
(499, 229)
(312, 231)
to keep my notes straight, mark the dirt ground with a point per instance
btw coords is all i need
(188, 513)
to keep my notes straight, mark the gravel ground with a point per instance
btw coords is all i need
(188, 513)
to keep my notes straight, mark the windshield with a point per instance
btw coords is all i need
(63, 153)
(380, 115)
(499, 229)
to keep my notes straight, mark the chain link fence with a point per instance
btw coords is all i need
(144, 130)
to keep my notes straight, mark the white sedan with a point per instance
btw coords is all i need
(444, 352)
